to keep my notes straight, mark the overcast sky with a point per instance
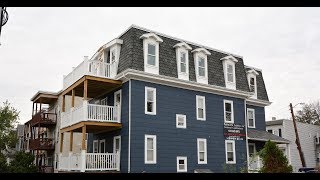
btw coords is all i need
(40, 45)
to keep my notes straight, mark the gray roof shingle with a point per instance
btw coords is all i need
(265, 136)
(131, 56)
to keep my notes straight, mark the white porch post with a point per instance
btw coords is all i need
(288, 153)
(83, 161)
(85, 110)
(70, 161)
(59, 162)
(118, 161)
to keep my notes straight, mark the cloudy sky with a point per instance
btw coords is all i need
(40, 45)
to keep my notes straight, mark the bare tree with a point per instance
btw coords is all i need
(310, 113)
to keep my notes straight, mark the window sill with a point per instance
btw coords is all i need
(252, 127)
(231, 163)
(151, 66)
(150, 113)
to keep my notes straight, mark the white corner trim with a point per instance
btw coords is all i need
(252, 71)
(206, 52)
(129, 129)
(183, 44)
(258, 102)
(174, 82)
(151, 35)
(229, 58)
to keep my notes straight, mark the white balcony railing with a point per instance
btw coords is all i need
(88, 67)
(90, 162)
(89, 112)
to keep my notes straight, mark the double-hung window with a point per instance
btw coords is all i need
(230, 73)
(183, 62)
(150, 149)
(230, 152)
(228, 111)
(202, 150)
(201, 108)
(252, 84)
(181, 121)
(201, 67)
(251, 118)
(181, 164)
(151, 54)
(150, 100)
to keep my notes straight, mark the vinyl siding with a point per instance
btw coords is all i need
(172, 141)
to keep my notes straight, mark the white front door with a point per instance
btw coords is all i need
(117, 144)
(117, 105)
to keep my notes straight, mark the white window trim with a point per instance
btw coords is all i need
(224, 111)
(146, 98)
(204, 107)
(114, 101)
(104, 147)
(114, 143)
(205, 77)
(205, 150)
(182, 75)
(154, 137)
(254, 148)
(254, 118)
(185, 121)
(234, 151)
(229, 84)
(93, 146)
(154, 69)
(255, 84)
(185, 164)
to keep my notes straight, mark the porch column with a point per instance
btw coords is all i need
(85, 90)
(63, 103)
(61, 142)
(70, 150)
(40, 106)
(36, 108)
(32, 109)
(288, 153)
(72, 100)
(71, 140)
(83, 150)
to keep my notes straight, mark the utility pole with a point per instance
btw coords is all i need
(297, 138)
(3, 18)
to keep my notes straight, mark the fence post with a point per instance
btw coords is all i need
(83, 161)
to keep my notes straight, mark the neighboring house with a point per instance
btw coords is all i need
(149, 102)
(20, 136)
(309, 140)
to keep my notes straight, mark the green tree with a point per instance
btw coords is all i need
(22, 163)
(3, 164)
(274, 161)
(310, 113)
(8, 119)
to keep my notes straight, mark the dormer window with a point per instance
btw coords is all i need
(229, 71)
(201, 65)
(182, 55)
(183, 62)
(252, 81)
(151, 52)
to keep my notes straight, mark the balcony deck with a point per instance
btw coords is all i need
(42, 144)
(94, 117)
(88, 67)
(44, 119)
